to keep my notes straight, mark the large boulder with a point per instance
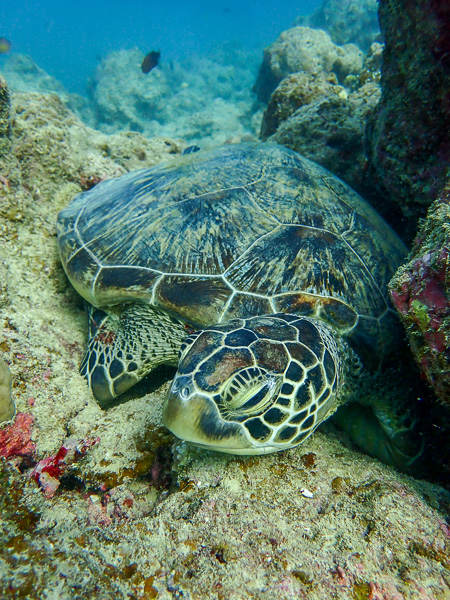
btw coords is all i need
(329, 129)
(408, 137)
(295, 91)
(325, 121)
(301, 49)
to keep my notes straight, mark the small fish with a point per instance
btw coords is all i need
(150, 61)
(190, 150)
(5, 45)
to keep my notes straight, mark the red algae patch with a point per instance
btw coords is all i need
(15, 439)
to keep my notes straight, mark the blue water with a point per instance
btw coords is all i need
(67, 39)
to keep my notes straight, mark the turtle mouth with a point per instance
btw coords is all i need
(196, 419)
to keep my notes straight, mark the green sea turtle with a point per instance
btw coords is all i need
(258, 272)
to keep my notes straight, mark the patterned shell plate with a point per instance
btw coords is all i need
(236, 231)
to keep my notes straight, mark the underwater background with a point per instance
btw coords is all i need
(67, 39)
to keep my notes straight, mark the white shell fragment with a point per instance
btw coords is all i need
(305, 492)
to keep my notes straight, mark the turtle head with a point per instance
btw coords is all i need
(254, 386)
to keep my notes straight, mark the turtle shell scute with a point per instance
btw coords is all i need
(235, 232)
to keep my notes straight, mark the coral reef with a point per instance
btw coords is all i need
(7, 408)
(204, 100)
(420, 291)
(24, 75)
(347, 21)
(304, 49)
(53, 147)
(407, 138)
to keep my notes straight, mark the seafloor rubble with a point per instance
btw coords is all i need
(98, 505)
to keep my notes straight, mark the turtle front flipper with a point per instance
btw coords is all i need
(125, 345)
(382, 420)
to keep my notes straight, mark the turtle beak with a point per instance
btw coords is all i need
(195, 418)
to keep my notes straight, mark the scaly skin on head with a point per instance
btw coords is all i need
(257, 385)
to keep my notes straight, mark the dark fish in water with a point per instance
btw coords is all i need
(5, 46)
(191, 150)
(150, 61)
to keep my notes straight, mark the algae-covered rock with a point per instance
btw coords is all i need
(301, 49)
(325, 121)
(52, 146)
(24, 75)
(371, 69)
(421, 293)
(7, 408)
(347, 21)
(407, 138)
(5, 116)
(292, 93)
(330, 130)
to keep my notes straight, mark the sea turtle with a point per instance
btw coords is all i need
(258, 272)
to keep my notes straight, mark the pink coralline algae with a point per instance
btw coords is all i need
(118, 504)
(97, 515)
(15, 440)
(421, 293)
(48, 470)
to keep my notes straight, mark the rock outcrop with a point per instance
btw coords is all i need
(301, 49)
(408, 137)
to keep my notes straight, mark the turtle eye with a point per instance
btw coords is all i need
(250, 391)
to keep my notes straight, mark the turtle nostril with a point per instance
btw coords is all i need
(184, 392)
